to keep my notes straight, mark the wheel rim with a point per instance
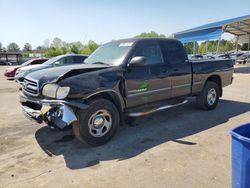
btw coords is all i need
(100, 123)
(211, 96)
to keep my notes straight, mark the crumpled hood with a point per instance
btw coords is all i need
(55, 74)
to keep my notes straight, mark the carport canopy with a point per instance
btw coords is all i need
(240, 27)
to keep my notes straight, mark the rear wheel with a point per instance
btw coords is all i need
(97, 124)
(209, 97)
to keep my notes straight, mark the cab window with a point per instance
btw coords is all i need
(151, 51)
(175, 53)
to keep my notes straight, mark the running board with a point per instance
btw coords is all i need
(137, 114)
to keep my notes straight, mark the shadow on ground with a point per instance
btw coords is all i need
(143, 133)
(243, 70)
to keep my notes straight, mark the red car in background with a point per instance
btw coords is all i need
(11, 71)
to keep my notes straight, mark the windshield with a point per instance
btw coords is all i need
(27, 62)
(52, 60)
(112, 53)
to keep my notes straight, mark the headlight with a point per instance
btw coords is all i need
(18, 71)
(62, 92)
(55, 91)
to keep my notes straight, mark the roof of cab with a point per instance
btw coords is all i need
(145, 39)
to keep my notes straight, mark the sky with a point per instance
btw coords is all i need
(34, 21)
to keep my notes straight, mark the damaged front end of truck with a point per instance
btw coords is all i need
(54, 99)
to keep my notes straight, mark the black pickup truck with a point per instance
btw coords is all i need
(131, 77)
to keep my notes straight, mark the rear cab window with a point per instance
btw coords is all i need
(174, 52)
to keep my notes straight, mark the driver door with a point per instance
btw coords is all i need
(150, 82)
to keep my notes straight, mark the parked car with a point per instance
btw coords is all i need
(243, 59)
(224, 56)
(132, 77)
(209, 57)
(61, 60)
(7, 62)
(234, 56)
(196, 57)
(11, 71)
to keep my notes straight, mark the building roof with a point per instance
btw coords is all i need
(239, 26)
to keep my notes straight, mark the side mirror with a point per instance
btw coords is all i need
(57, 63)
(137, 61)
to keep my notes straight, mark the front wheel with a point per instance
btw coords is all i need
(97, 124)
(209, 97)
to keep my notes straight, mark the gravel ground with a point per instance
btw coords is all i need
(180, 147)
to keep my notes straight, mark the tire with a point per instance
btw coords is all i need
(209, 97)
(107, 119)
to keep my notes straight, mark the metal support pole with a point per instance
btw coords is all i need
(248, 44)
(206, 46)
(237, 42)
(218, 44)
(194, 49)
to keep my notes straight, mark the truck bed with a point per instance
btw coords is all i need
(202, 69)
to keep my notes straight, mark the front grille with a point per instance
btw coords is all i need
(30, 87)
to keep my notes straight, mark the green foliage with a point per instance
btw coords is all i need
(224, 46)
(25, 54)
(13, 47)
(52, 52)
(89, 48)
(27, 47)
(74, 49)
(39, 49)
(189, 47)
(151, 34)
(86, 51)
(92, 45)
(57, 43)
(59, 47)
(244, 46)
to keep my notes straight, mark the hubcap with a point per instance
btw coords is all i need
(211, 96)
(100, 123)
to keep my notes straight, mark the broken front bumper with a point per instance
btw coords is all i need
(57, 113)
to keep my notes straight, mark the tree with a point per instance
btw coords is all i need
(74, 49)
(244, 46)
(86, 51)
(1, 47)
(92, 45)
(189, 47)
(27, 47)
(151, 34)
(89, 48)
(224, 46)
(57, 43)
(13, 47)
(52, 52)
(46, 43)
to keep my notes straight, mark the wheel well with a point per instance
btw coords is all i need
(217, 80)
(111, 96)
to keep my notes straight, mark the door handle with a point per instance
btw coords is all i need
(164, 71)
(175, 69)
(163, 74)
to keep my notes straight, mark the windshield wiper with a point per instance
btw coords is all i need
(101, 63)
